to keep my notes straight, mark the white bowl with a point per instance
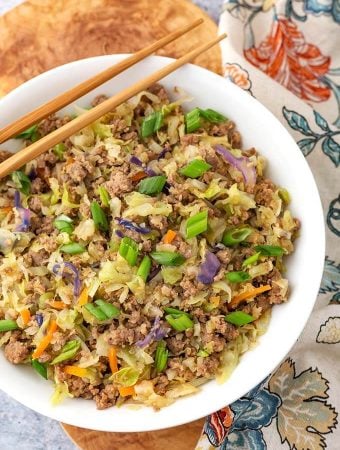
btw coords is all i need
(287, 167)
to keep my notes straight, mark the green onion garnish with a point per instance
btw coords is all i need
(95, 311)
(152, 123)
(284, 195)
(161, 356)
(168, 258)
(59, 150)
(8, 325)
(40, 368)
(195, 168)
(64, 224)
(196, 224)
(22, 182)
(192, 120)
(73, 248)
(31, 133)
(202, 353)
(69, 350)
(235, 236)
(128, 249)
(152, 185)
(212, 116)
(270, 250)
(251, 259)
(108, 309)
(239, 318)
(179, 322)
(144, 268)
(104, 196)
(175, 312)
(237, 277)
(99, 217)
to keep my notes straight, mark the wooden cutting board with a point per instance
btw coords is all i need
(42, 34)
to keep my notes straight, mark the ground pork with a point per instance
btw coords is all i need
(77, 386)
(161, 384)
(225, 255)
(159, 90)
(4, 154)
(123, 336)
(99, 99)
(35, 204)
(106, 396)
(229, 331)
(177, 344)
(39, 258)
(206, 367)
(158, 222)
(16, 351)
(118, 183)
(38, 186)
(264, 190)
(42, 225)
(190, 139)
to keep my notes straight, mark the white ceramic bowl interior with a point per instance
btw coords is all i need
(287, 167)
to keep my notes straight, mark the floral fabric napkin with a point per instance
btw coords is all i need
(292, 48)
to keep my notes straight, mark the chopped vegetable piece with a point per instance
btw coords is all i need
(155, 334)
(45, 341)
(195, 168)
(284, 195)
(40, 368)
(126, 391)
(208, 268)
(152, 123)
(144, 268)
(22, 182)
(202, 353)
(139, 176)
(108, 309)
(242, 164)
(235, 235)
(104, 196)
(169, 237)
(168, 258)
(64, 224)
(212, 116)
(132, 226)
(76, 371)
(248, 294)
(31, 133)
(237, 277)
(69, 350)
(59, 150)
(175, 312)
(251, 259)
(152, 185)
(57, 304)
(25, 315)
(73, 248)
(83, 297)
(161, 356)
(99, 217)
(196, 224)
(127, 376)
(113, 361)
(239, 318)
(180, 322)
(270, 250)
(128, 249)
(8, 325)
(95, 311)
(192, 120)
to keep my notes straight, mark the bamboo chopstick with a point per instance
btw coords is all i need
(86, 86)
(27, 154)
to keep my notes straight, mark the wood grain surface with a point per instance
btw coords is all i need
(42, 34)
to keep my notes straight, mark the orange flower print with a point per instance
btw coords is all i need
(237, 75)
(285, 56)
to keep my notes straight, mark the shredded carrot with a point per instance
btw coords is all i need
(113, 361)
(25, 315)
(45, 340)
(76, 371)
(169, 237)
(139, 176)
(248, 294)
(125, 391)
(57, 304)
(6, 209)
(69, 160)
(83, 297)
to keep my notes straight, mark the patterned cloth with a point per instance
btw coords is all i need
(297, 44)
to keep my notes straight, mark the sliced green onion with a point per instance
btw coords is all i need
(8, 325)
(108, 309)
(40, 368)
(251, 259)
(31, 133)
(284, 195)
(235, 236)
(161, 356)
(202, 353)
(104, 196)
(270, 250)
(237, 277)
(73, 248)
(22, 182)
(64, 224)
(69, 350)
(196, 224)
(212, 116)
(180, 322)
(95, 311)
(175, 312)
(192, 120)
(99, 217)
(152, 185)
(59, 150)
(152, 123)
(168, 258)
(144, 268)
(195, 168)
(128, 376)
(128, 249)
(239, 318)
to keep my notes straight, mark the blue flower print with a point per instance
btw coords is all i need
(328, 7)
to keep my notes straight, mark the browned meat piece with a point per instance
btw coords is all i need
(39, 258)
(99, 99)
(35, 204)
(216, 342)
(42, 225)
(177, 344)
(229, 331)
(206, 367)
(118, 183)
(38, 186)
(122, 336)
(161, 384)
(77, 386)
(191, 287)
(225, 255)
(181, 370)
(51, 123)
(228, 129)
(264, 190)
(16, 351)
(190, 139)
(4, 154)
(159, 90)
(158, 222)
(106, 397)
(75, 172)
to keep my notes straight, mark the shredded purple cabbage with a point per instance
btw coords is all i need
(33, 174)
(208, 268)
(150, 172)
(156, 334)
(119, 233)
(132, 226)
(136, 161)
(155, 271)
(17, 200)
(39, 318)
(163, 152)
(59, 270)
(242, 164)
(24, 213)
